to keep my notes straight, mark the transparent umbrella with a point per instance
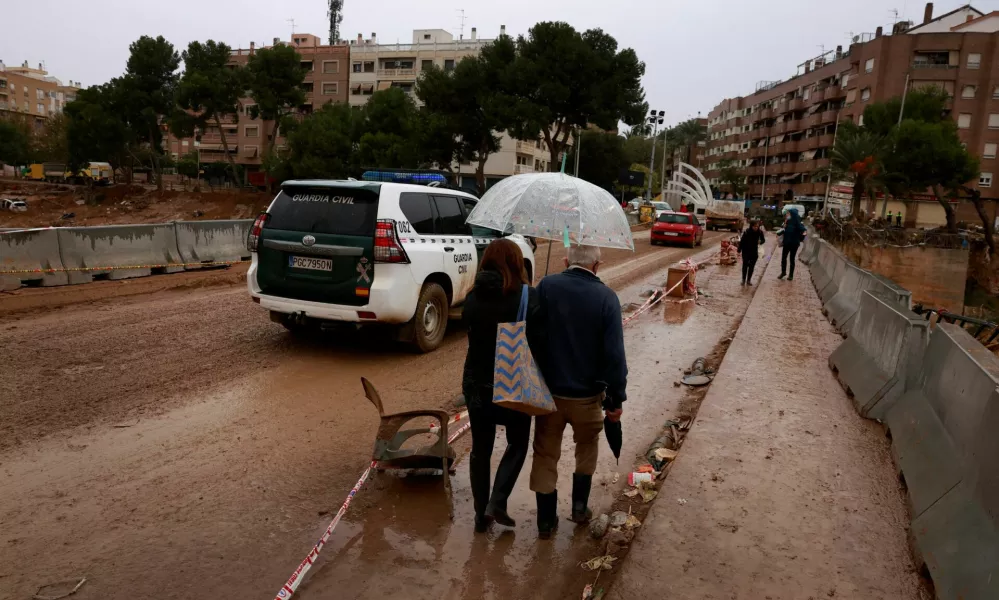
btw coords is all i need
(554, 206)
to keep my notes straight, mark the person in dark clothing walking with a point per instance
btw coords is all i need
(898, 219)
(495, 299)
(585, 368)
(794, 234)
(749, 246)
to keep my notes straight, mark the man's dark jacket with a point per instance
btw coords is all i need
(584, 339)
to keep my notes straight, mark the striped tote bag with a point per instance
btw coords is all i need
(517, 381)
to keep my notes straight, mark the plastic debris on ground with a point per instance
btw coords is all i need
(647, 489)
(618, 518)
(600, 563)
(598, 526)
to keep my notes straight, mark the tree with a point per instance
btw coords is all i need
(925, 104)
(323, 146)
(95, 129)
(15, 141)
(51, 143)
(687, 135)
(561, 80)
(209, 90)
(147, 93)
(856, 157)
(387, 130)
(472, 100)
(188, 165)
(730, 175)
(601, 158)
(274, 78)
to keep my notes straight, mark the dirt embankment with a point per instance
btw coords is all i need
(53, 205)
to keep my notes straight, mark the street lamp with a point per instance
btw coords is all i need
(655, 120)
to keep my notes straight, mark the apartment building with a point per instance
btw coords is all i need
(246, 137)
(781, 134)
(33, 93)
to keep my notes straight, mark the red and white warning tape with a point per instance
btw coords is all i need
(289, 588)
(656, 298)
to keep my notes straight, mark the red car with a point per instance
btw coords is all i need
(677, 227)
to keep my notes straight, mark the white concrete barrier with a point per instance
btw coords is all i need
(119, 251)
(30, 256)
(212, 241)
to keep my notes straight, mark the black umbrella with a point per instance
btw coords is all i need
(612, 429)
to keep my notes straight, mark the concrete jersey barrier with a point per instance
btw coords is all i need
(30, 253)
(883, 356)
(119, 251)
(945, 443)
(212, 241)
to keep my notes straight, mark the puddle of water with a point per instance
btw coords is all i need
(676, 312)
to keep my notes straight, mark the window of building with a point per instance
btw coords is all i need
(356, 67)
(426, 64)
(426, 36)
(860, 120)
(869, 65)
(330, 88)
(807, 93)
(865, 94)
(369, 66)
(248, 109)
(183, 144)
(331, 66)
(41, 108)
(39, 94)
(251, 131)
(250, 151)
(964, 120)
(307, 65)
(990, 151)
(994, 121)
(974, 60)
(968, 91)
(448, 64)
(985, 180)
(846, 79)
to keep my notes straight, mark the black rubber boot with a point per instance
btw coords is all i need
(580, 496)
(547, 514)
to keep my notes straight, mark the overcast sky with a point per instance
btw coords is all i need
(697, 52)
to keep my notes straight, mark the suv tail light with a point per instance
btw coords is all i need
(253, 238)
(388, 249)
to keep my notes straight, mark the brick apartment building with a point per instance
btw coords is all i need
(32, 93)
(325, 81)
(783, 133)
(352, 72)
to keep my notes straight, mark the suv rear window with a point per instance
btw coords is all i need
(340, 211)
(674, 218)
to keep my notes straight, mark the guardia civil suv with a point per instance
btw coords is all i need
(364, 252)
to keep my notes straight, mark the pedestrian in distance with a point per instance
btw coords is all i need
(495, 298)
(749, 244)
(794, 234)
(585, 368)
(898, 219)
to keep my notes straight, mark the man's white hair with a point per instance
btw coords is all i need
(583, 256)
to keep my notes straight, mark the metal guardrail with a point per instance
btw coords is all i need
(973, 325)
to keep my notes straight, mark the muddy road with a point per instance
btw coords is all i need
(179, 443)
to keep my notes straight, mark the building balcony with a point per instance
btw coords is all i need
(810, 143)
(754, 171)
(794, 104)
(826, 141)
(526, 147)
(828, 116)
(762, 132)
(817, 96)
(396, 73)
(834, 92)
(766, 113)
(927, 72)
(821, 163)
(521, 169)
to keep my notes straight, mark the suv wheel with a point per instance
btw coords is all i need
(430, 320)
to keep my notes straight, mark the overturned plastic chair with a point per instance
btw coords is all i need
(389, 441)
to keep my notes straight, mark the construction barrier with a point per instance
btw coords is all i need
(835, 265)
(212, 241)
(118, 251)
(30, 255)
(883, 356)
(810, 247)
(820, 265)
(945, 444)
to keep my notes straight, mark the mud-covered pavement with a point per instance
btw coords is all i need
(179, 444)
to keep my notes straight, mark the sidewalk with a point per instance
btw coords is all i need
(781, 491)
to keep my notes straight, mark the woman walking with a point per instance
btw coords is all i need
(794, 234)
(749, 246)
(495, 299)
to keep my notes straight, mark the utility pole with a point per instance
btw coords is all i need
(901, 111)
(579, 144)
(825, 201)
(335, 14)
(655, 120)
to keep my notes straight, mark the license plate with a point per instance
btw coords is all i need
(670, 233)
(307, 262)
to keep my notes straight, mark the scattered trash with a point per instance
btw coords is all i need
(631, 493)
(646, 469)
(616, 478)
(636, 478)
(39, 596)
(681, 501)
(598, 526)
(698, 374)
(665, 455)
(600, 563)
(632, 522)
(68, 215)
(618, 518)
(588, 592)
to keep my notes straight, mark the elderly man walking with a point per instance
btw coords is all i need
(586, 371)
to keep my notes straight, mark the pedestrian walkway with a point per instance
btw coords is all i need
(781, 491)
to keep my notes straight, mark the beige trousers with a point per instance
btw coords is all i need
(586, 417)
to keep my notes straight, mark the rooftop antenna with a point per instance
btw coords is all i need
(461, 21)
(822, 49)
(894, 11)
(292, 21)
(335, 13)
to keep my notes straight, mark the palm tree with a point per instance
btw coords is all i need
(857, 158)
(688, 134)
